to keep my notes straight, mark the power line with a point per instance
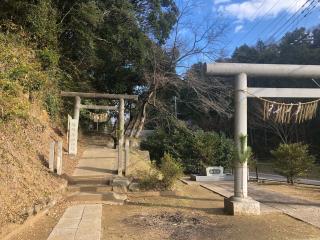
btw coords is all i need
(275, 21)
(287, 21)
(283, 26)
(305, 13)
(308, 13)
(255, 25)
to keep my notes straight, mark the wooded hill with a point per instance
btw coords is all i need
(135, 47)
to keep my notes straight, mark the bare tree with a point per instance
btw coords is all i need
(189, 41)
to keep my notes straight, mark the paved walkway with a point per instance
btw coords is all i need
(304, 210)
(80, 222)
(97, 160)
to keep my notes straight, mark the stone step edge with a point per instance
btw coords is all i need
(92, 188)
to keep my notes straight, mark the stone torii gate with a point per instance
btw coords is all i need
(120, 97)
(240, 203)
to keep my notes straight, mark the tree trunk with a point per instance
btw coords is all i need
(141, 118)
(142, 121)
(115, 142)
(135, 125)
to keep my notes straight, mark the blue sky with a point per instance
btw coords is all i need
(250, 20)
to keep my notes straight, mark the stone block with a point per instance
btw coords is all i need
(134, 187)
(119, 188)
(30, 211)
(37, 208)
(241, 206)
(121, 181)
(121, 197)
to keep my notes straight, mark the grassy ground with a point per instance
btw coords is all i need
(192, 213)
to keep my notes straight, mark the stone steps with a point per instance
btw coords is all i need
(110, 198)
(90, 180)
(98, 188)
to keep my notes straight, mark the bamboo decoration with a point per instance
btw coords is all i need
(289, 113)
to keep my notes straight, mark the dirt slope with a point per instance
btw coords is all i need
(24, 176)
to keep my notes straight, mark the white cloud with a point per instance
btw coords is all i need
(217, 2)
(252, 9)
(238, 28)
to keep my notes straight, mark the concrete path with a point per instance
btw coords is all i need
(80, 222)
(304, 210)
(97, 160)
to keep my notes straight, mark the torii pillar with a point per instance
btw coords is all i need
(121, 137)
(77, 107)
(240, 203)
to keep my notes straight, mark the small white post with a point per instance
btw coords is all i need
(59, 158)
(127, 154)
(51, 156)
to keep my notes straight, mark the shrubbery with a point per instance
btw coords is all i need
(11, 101)
(25, 75)
(195, 150)
(52, 104)
(293, 160)
(171, 170)
(164, 176)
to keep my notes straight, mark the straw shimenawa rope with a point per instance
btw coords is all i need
(98, 117)
(288, 112)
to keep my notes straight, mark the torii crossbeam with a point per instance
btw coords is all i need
(240, 203)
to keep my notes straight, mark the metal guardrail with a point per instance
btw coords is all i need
(278, 178)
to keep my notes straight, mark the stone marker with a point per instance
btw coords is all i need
(51, 156)
(59, 158)
(214, 171)
(73, 136)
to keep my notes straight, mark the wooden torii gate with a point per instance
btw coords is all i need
(240, 203)
(78, 106)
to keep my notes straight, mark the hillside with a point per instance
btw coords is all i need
(27, 114)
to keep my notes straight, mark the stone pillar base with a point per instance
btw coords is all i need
(241, 206)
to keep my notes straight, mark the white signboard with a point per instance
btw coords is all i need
(73, 136)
